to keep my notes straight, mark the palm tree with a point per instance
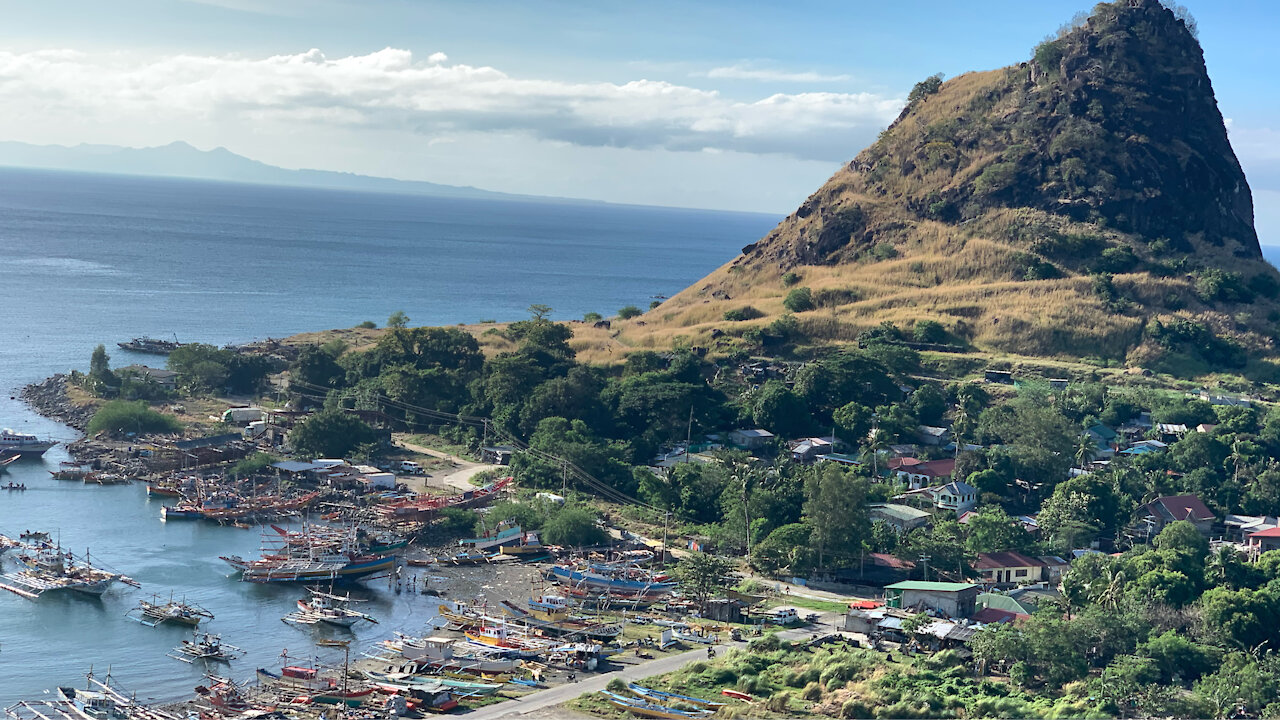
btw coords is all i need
(1110, 589)
(1086, 449)
(1217, 567)
(875, 445)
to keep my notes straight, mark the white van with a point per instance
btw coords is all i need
(411, 467)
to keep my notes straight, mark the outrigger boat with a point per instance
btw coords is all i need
(660, 696)
(645, 708)
(154, 612)
(439, 654)
(50, 569)
(7, 461)
(323, 607)
(206, 646)
(71, 471)
(103, 703)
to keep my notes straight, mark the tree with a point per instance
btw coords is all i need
(331, 433)
(100, 368)
(398, 320)
(539, 312)
(629, 312)
(702, 576)
(853, 421)
(785, 550)
(574, 527)
(779, 410)
(836, 509)
(992, 530)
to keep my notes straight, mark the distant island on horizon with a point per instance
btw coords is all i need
(183, 160)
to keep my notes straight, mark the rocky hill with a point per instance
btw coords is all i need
(1085, 202)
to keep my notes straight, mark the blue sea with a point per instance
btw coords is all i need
(88, 259)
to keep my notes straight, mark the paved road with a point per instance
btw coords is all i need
(556, 695)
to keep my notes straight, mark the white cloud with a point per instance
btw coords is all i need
(745, 72)
(389, 90)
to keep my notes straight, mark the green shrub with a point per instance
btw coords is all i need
(592, 317)
(122, 416)
(997, 178)
(629, 312)
(1213, 285)
(929, 331)
(789, 279)
(741, 314)
(368, 325)
(799, 300)
(884, 251)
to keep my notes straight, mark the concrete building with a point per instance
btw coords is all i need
(951, 599)
(750, 439)
(1009, 568)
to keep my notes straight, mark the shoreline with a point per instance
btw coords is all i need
(49, 399)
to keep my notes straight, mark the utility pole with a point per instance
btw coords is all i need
(666, 519)
(688, 436)
(746, 512)
(924, 561)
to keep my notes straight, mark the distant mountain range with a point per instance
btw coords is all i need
(182, 160)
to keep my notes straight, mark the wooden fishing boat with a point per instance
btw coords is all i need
(154, 612)
(659, 696)
(644, 708)
(737, 695)
(327, 608)
(205, 646)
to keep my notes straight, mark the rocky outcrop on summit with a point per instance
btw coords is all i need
(1081, 202)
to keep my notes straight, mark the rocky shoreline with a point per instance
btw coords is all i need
(49, 398)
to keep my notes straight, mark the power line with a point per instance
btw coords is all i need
(605, 490)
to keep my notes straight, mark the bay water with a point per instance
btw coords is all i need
(88, 259)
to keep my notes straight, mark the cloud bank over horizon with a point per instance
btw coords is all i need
(392, 90)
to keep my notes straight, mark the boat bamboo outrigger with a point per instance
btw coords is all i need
(154, 612)
(327, 608)
(205, 646)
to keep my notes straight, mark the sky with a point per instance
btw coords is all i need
(717, 104)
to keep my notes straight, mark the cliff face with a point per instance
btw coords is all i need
(1113, 123)
(1056, 206)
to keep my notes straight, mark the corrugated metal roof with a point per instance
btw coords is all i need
(929, 586)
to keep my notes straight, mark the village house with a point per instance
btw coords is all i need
(809, 450)
(750, 439)
(934, 436)
(1264, 540)
(1104, 439)
(1164, 510)
(950, 599)
(956, 497)
(1238, 528)
(899, 517)
(167, 379)
(1009, 568)
(916, 474)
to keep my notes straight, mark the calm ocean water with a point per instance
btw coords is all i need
(97, 259)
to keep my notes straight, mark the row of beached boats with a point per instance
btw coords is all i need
(648, 702)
